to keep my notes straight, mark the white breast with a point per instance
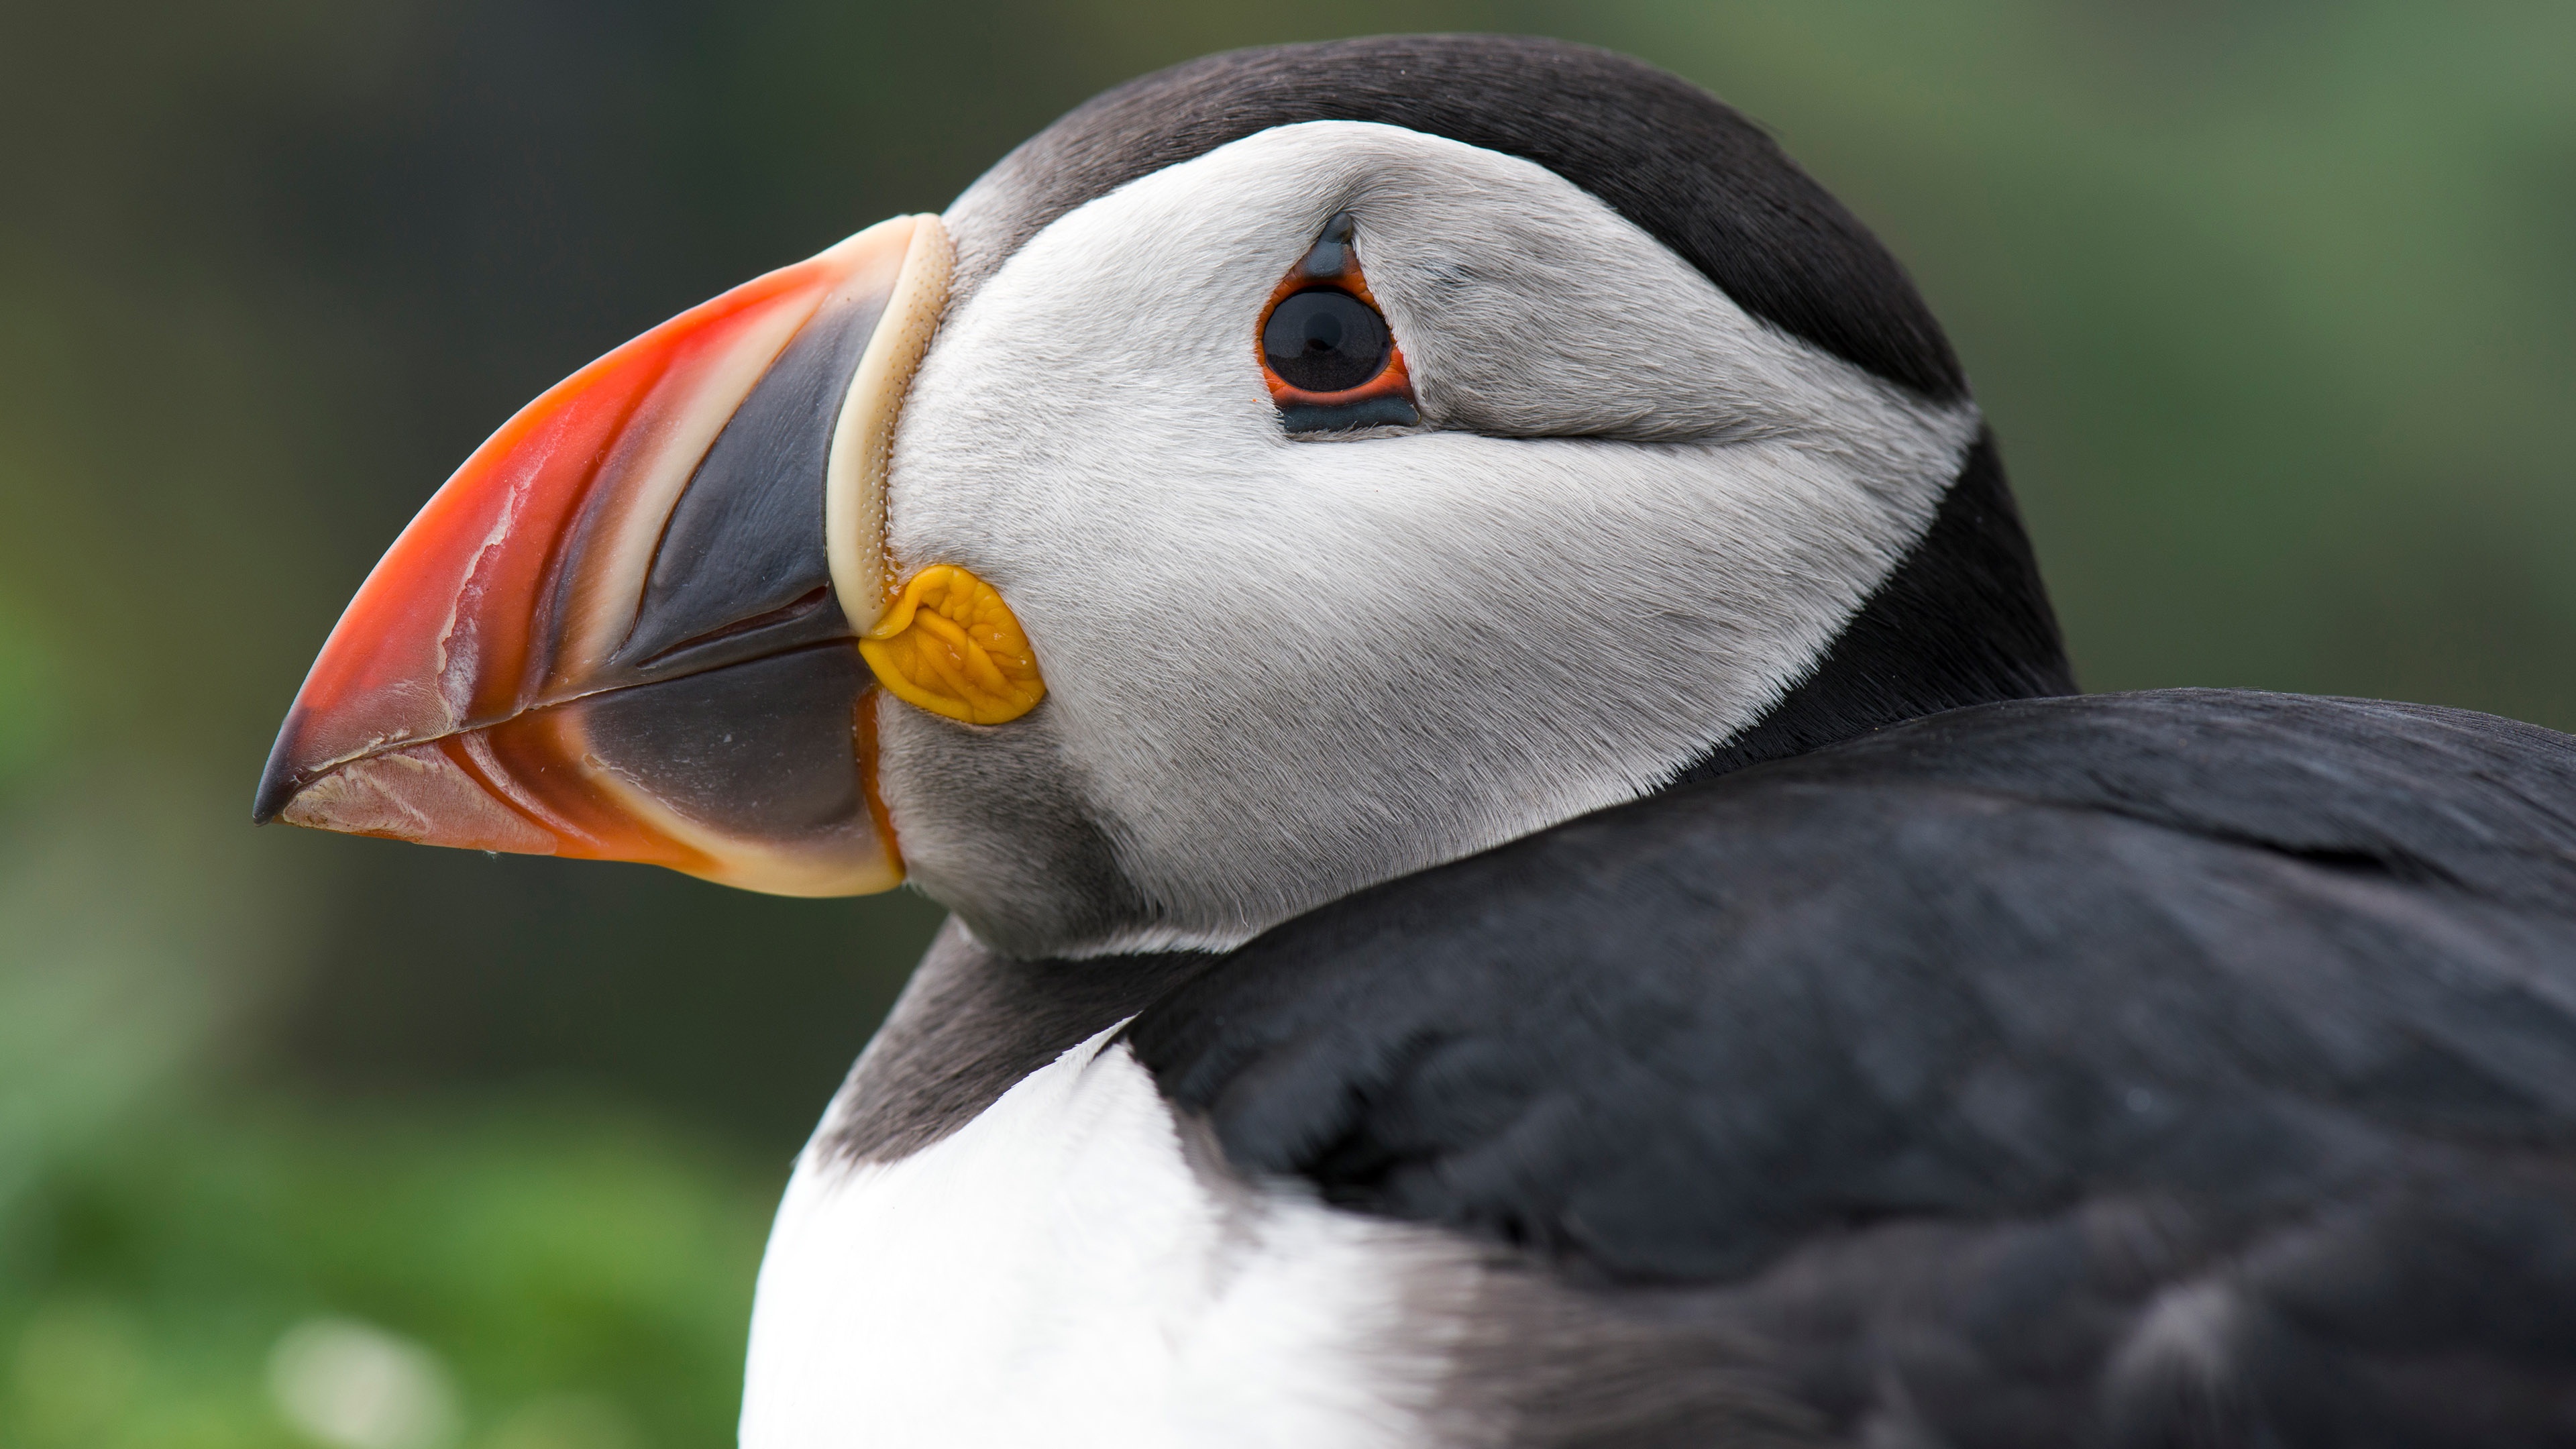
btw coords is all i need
(1062, 1271)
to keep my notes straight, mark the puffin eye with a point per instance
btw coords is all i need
(1329, 358)
(1324, 340)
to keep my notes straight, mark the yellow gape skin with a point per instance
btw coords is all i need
(950, 645)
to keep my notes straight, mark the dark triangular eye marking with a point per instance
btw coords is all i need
(1332, 254)
(1327, 353)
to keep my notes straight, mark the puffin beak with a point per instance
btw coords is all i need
(629, 627)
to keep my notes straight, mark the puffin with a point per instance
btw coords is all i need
(1525, 863)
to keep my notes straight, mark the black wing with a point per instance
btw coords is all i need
(2183, 1067)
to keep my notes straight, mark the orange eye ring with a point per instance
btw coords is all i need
(1385, 398)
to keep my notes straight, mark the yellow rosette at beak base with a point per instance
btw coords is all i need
(948, 644)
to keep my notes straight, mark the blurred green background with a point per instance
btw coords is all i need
(312, 1140)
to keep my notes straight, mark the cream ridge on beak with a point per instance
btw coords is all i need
(648, 618)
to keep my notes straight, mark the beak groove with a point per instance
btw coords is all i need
(625, 629)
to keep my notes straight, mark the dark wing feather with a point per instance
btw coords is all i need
(2078, 1070)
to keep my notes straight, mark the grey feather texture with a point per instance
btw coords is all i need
(1282, 669)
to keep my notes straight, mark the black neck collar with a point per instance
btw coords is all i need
(1963, 620)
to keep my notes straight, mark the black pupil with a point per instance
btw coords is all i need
(1324, 340)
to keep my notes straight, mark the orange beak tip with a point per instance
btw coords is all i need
(416, 794)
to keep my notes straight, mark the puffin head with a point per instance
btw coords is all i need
(1288, 471)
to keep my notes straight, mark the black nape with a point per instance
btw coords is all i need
(1963, 620)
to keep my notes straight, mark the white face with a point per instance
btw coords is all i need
(1281, 668)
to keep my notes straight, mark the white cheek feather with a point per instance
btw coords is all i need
(1283, 669)
(1059, 1272)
